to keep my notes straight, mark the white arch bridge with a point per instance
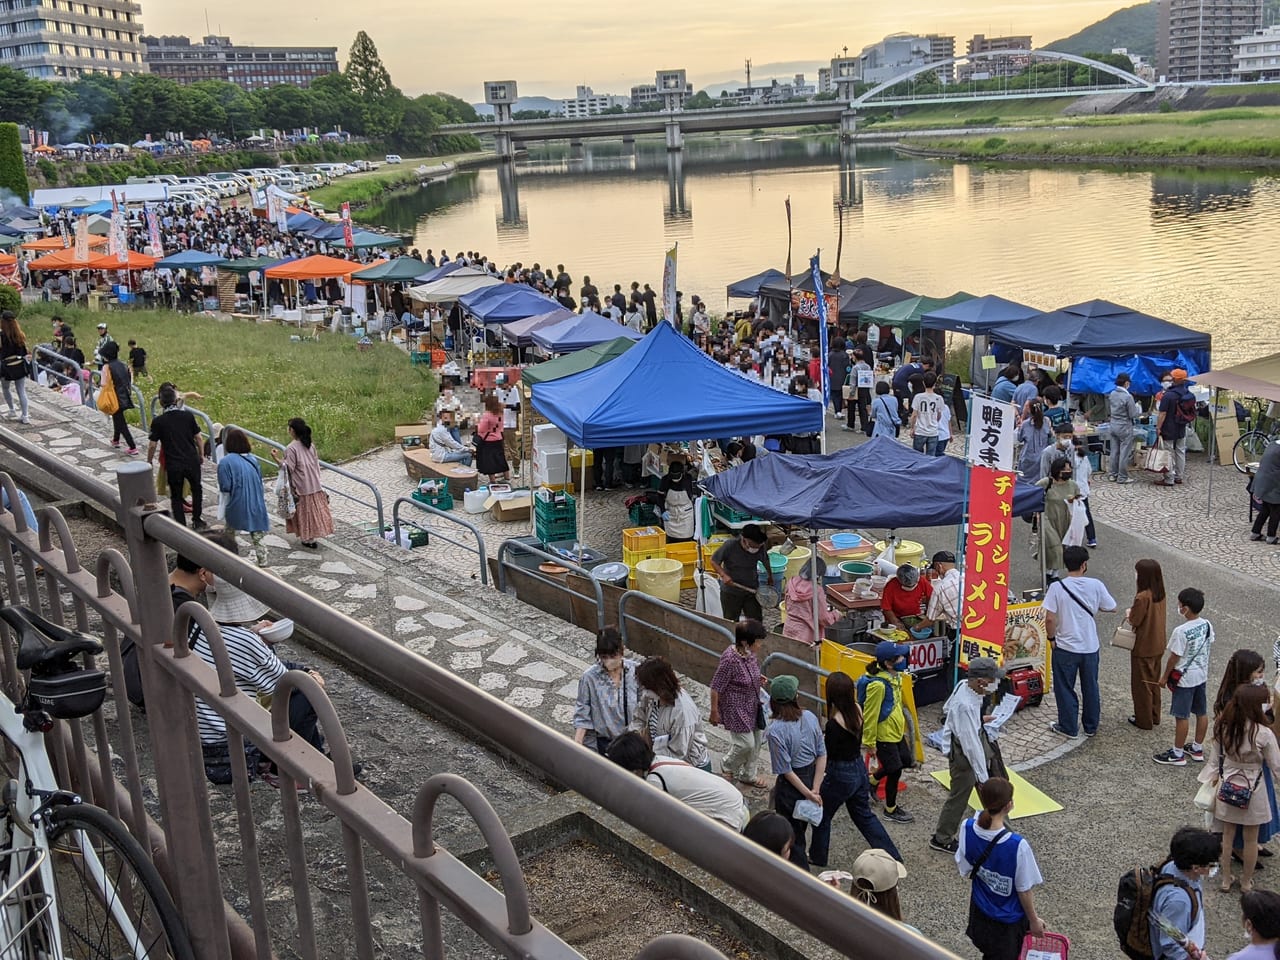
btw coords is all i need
(912, 88)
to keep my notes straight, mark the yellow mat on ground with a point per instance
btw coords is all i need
(1027, 800)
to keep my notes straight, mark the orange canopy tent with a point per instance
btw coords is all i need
(55, 243)
(66, 260)
(45, 149)
(317, 267)
(7, 260)
(109, 261)
(61, 259)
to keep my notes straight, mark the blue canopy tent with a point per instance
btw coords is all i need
(300, 221)
(975, 317)
(435, 273)
(750, 287)
(504, 302)
(1106, 338)
(190, 260)
(101, 206)
(580, 331)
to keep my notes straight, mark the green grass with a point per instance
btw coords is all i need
(361, 189)
(254, 376)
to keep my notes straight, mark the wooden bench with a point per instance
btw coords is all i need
(420, 466)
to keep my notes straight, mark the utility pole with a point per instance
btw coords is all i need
(748, 76)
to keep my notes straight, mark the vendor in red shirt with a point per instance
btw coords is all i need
(905, 597)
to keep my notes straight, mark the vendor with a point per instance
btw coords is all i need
(905, 598)
(675, 498)
(735, 565)
(943, 608)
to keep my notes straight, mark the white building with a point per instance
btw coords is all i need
(900, 52)
(1257, 56)
(824, 80)
(774, 91)
(588, 103)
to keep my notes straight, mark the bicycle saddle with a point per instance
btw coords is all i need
(41, 642)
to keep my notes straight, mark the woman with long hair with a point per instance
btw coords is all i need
(1060, 491)
(490, 458)
(243, 504)
(668, 716)
(1034, 434)
(798, 756)
(311, 519)
(1004, 871)
(14, 357)
(735, 703)
(1147, 617)
(1245, 666)
(846, 777)
(1242, 745)
(1260, 915)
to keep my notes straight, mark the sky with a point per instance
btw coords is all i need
(605, 44)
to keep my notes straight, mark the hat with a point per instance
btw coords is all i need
(943, 556)
(233, 605)
(102, 326)
(784, 687)
(1178, 374)
(984, 668)
(888, 650)
(877, 870)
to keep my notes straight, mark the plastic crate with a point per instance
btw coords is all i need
(552, 530)
(441, 501)
(637, 539)
(643, 514)
(632, 557)
(730, 515)
(550, 510)
(687, 554)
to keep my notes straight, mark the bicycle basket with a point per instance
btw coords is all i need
(68, 694)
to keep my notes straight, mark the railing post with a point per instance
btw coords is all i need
(184, 801)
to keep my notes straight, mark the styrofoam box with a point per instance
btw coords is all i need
(549, 436)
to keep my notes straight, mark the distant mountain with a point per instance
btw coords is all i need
(1133, 28)
(521, 104)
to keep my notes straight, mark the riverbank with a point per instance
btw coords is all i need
(361, 190)
(254, 375)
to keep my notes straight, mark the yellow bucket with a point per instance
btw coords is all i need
(660, 578)
(908, 551)
(796, 559)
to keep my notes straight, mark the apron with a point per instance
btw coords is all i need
(680, 520)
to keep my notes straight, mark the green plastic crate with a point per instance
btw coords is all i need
(441, 501)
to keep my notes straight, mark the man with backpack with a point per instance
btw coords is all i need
(1177, 415)
(884, 722)
(1170, 892)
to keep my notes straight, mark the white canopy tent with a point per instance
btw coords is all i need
(450, 288)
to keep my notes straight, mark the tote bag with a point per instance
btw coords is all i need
(108, 402)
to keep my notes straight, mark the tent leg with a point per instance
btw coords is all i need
(582, 505)
(819, 590)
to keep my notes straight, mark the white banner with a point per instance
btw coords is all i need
(669, 286)
(82, 238)
(992, 430)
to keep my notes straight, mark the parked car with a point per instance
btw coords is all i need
(394, 158)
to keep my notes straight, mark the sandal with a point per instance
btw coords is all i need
(1227, 883)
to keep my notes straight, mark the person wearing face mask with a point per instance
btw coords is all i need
(1246, 667)
(675, 498)
(1177, 408)
(1193, 858)
(1123, 414)
(1260, 915)
(884, 722)
(1060, 491)
(607, 695)
(735, 564)
(905, 597)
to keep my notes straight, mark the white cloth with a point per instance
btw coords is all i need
(926, 412)
(1191, 641)
(963, 712)
(442, 442)
(510, 400)
(1077, 631)
(1026, 874)
(944, 424)
(1083, 471)
(705, 792)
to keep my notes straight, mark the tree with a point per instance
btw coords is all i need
(382, 105)
(417, 127)
(13, 171)
(335, 104)
(239, 111)
(285, 107)
(99, 100)
(700, 101)
(156, 104)
(20, 96)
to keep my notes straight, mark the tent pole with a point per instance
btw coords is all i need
(1213, 437)
(819, 590)
(582, 504)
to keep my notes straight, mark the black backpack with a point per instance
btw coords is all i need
(1134, 899)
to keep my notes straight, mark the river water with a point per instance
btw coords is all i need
(1198, 247)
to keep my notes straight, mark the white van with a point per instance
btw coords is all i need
(394, 158)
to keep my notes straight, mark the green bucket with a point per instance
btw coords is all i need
(851, 570)
(777, 563)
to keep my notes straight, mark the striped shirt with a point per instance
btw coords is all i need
(257, 670)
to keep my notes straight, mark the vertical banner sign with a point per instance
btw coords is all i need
(992, 432)
(153, 228)
(118, 239)
(62, 232)
(82, 238)
(825, 385)
(788, 242)
(984, 602)
(669, 286)
(348, 238)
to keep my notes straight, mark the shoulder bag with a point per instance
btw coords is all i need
(973, 869)
(1235, 794)
(1083, 606)
(1124, 637)
(108, 402)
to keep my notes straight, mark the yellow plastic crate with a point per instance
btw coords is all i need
(576, 455)
(687, 554)
(637, 539)
(632, 557)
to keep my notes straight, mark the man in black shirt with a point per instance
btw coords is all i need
(735, 564)
(650, 306)
(178, 435)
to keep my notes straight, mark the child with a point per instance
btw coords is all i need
(884, 725)
(1187, 675)
(973, 757)
(137, 360)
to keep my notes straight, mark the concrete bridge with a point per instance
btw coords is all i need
(674, 121)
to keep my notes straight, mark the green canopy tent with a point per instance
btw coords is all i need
(7, 242)
(392, 271)
(906, 314)
(247, 265)
(366, 239)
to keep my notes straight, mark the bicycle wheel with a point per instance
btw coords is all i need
(118, 907)
(1248, 450)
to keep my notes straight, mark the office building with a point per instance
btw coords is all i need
(249, 67)
(63, 40)
(1196, 39)
(1257, 56)
(588, 103)
(990, 68)
(774, 91)
(900, 53)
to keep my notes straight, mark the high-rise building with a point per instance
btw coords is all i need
(250, 67)
(991, 67)
(63, 40)
(1258, 56)
(587, 103)
(1195, 39)
(900, 52)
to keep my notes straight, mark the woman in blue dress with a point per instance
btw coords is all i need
(240, 487)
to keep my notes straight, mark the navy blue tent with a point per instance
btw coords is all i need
(1098, 328)
(750, 287)
(856, 296)
(881, 484)
(504, 302)
(435, 273)
(301, 221)
(975, 317)
(666, 389)
(190, 260)
(580, 331)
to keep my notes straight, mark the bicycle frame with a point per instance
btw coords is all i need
(36, 783)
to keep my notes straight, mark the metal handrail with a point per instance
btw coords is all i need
(444, 515)
(633, 596)
(199, 415)
(41, 350)
(139, 401)
(509, 546)
(324, 465)
(802, 664)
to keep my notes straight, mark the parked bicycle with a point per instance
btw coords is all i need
(74, 883)
(1262, 430)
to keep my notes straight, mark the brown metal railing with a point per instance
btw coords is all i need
(142, 611)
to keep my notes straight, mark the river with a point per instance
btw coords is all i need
(1193, 246)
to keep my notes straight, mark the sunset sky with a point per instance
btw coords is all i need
(548, 48)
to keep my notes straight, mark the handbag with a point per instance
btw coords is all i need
(1206, 796)
(1235, 794)
(1124, 637)
(107, 401)
(1159, 459)
(286, 505)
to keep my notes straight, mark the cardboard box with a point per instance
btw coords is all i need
(406, 431)
(515, 507)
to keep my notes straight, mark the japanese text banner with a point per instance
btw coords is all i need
(986, 557)
(992, 430)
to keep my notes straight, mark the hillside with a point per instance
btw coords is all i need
(1133, 28)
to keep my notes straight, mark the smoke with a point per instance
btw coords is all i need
(65, 126)
(10, 199)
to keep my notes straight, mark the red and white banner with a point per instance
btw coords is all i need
(348, 238)
(984, 603)
(669, 286)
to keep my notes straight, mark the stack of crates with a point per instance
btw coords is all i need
(709, 548)
(687, 554)
(434, 493)
(555, 516)
(642, 543)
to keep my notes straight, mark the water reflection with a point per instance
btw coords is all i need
(1183, 196)
(849, 192)
(676, 212)
(511, 220)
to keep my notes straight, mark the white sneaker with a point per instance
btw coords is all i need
(24, 420)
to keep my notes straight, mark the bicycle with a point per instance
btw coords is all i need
(74, 883)
(1248, 450)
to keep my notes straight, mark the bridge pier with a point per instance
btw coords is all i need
(504, 146)
(675, 138)
(848, 124)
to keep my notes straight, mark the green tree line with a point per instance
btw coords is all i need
(360, 100)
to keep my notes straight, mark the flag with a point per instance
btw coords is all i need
(153, 228)
(788, 241)
(347, 236)
(117, 239)
(816, 270)
(669, 286)
(82, 238)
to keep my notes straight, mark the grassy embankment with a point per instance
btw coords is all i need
(362, 189)
(1229, 137)
(253, 375)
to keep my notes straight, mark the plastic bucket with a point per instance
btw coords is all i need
(614, 573)
(777, 564)
(908, 551)
(796, 559)
(851, 570)
(473, 500)
(660, 578)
